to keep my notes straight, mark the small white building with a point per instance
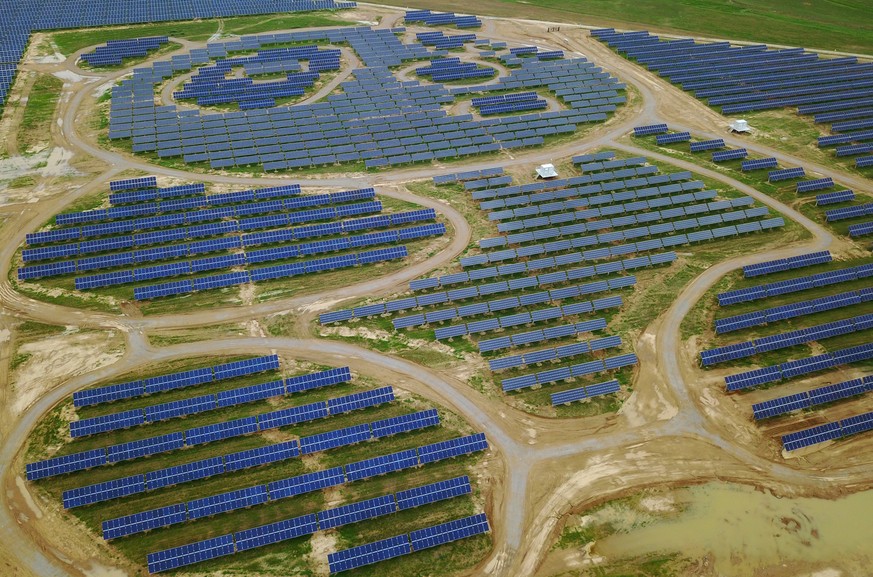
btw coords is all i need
(740, 126)
(546, 171)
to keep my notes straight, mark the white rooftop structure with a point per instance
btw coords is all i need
(740, 126)
(547, 171)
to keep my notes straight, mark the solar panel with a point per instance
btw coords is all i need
(354, 512)
(381, 465)
(106, 423)
(306, 483)
(275, 532)
(184, 473)
(452, 448)
(239, 499)
(144, 447)
(360, 400)
(433, 492)
(220, 431)
(261, 456)
(144, 521)
(448, 532)
(333, 439)
(103, 491)
(191, 553)
(369, 553)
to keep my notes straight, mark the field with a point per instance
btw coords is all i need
(606, 276)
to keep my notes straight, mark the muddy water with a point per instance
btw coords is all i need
(746, 532)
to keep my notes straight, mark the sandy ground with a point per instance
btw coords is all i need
(677, 427)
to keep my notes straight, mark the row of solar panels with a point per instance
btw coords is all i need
(834, 197)
(856, 211)
(291, 528)
(814, 185)
(807, 399)
(249, 205)
(269, 273)
(862, 229)
(293, 486)
(628, 248)
(518, 283)
(795, 284)
(182, 190)
(283, 252)
(132, 389)
(464, 176)
(567, 373)
(558, 353)
(543, 186)
(587, 392)
(785, 340)
(524, 318)
(228, 226)
(790, 263)
(405, 544)
(799, 367)
(233, 462)
(828, 432)
(793, 310)
(539, 335)
(192, 405)
(490, 289)
(726, 155)
(226, 430)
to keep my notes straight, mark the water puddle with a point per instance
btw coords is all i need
(743, 531)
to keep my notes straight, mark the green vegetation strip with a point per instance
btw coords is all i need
(36, 123)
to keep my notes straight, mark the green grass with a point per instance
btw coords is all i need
(817, 24)
(35, 128)
(22, 182)
(71, 41)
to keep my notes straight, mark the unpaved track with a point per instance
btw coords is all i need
(552, 466)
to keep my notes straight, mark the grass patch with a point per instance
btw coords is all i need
(35, 128)
(22, 182)
(821, 24)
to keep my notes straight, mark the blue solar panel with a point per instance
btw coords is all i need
(275, 532)
(369, 553)
(106, 423)
(144, 447)
(103, 491)
(317, 380)
(261, 456)
(239, 499)
(360, 400)
(184, 473)
(179, 408)
(333, 439)
(452, 448)
(144, 521)
(381, 465)
(433, 492)
(191, 553)
(355, 512)
(219, 431)
(448, 532)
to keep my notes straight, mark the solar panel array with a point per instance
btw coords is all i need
(834, 197)
(290, 528)
(807, 399)
(566, 373)
(441, 19)
(861, 229)
(239, 233)
(758, 164)
(828, 432)
(747, 78)
(405, 544)
(785, 174)
(650, 129)
(228, 398)
(791, 369)
(556, 213)
(571, 395)
(352, 126)
(791, 338)
(790, 263)
(17, 25)
(793, 310)
(115, 51)
(172, 381)
(795, 284)
(813, 185)
(856, 211)
(726, 155)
